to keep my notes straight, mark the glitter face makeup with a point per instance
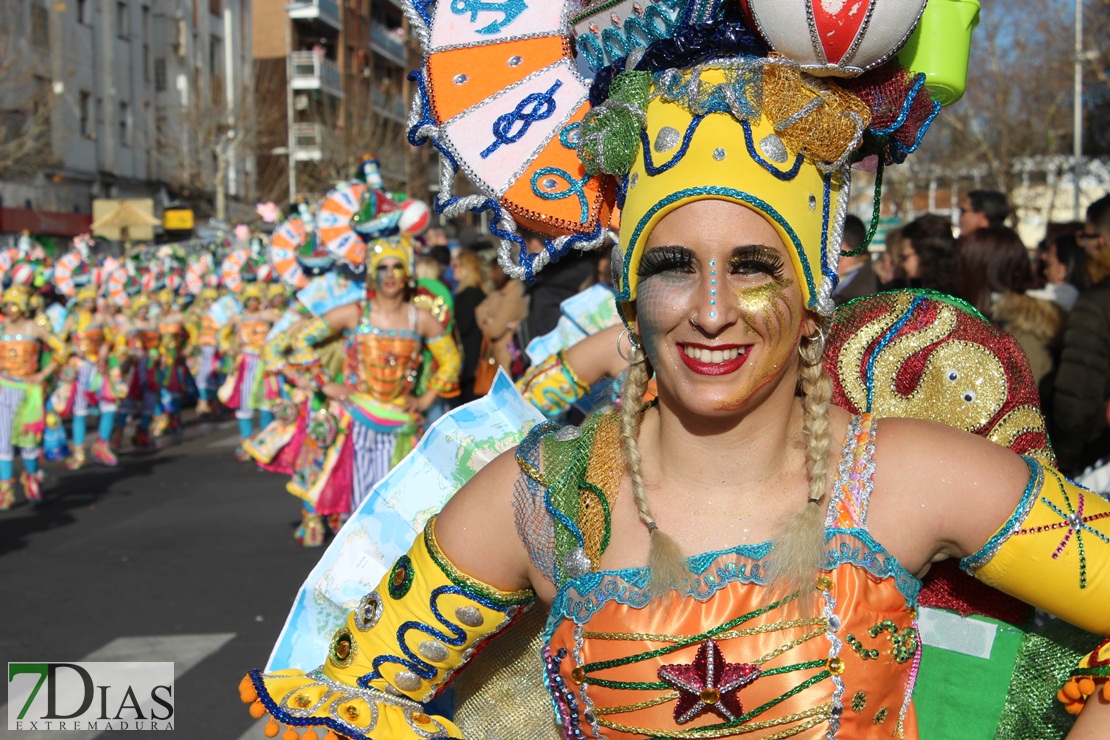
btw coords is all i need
(719, 308)
(390, 275)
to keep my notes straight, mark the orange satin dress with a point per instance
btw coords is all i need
(730, 661)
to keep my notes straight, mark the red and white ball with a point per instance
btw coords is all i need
(23, 274)
(415, 217)
(835, 37)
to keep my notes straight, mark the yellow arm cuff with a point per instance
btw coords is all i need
(1053, 552)
(58, 349)
(445, 381)
(307, 335)
(400, 646)
(552, 386)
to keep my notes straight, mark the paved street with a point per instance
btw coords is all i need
(180, 555)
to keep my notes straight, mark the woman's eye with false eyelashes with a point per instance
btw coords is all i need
(757, 263)
(666, 259)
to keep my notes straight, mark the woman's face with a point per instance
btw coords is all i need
(719, 308)
(13, 311)
(911, 263)
(389, 277)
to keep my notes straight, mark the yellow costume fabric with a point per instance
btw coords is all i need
(552, 386)
(1054, 552)
(399, 647)
(445, 381)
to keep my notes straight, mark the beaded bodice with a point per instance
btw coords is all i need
(383, 363)
(729, 658)
(252, 334)
(19, 356)
(209, 332)
(88, 341)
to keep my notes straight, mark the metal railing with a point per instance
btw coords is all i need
(313, 71)
(325, 10)
(383, 39)
(308, 140)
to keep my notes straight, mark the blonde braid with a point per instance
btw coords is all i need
(668, 564)
(800, 548)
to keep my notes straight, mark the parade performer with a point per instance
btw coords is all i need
(739, 558)
(174, 377)
(206, 333)
(378, 414)
(22, 415)
(141, 342)
(248, 330)
(87, 379)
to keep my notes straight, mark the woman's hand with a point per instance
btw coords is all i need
(336, 391)
(420, 404)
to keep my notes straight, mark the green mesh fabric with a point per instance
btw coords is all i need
(557, 509)
(610, 133)
(1047, 656)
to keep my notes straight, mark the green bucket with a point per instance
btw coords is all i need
(940, 45)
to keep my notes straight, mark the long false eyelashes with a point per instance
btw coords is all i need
(665, 259)
(756, 259)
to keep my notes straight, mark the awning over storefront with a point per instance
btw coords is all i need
(51, 223)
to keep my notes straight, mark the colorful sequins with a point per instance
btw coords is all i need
(400, 578)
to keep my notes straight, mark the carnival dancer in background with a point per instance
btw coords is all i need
(174, 376)
(22, 416)
(249, 330)
(378, 415)
(87, 379)
(142, 342)
(205, 347)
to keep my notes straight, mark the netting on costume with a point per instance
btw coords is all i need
(901, 110)
(923, 355)
(562, 499)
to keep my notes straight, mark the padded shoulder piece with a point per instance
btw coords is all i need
(1053, 552)
(399, 647)
(569, 479)
(552, 386)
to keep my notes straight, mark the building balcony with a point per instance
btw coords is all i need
(325, 11)
(387, 43)
(308, 142)
(312, 71)
(390, 106)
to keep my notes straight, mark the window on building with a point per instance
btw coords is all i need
(82, 11)
(146, 44)
(124, 124)
(159, 75)
(40, 26)
(215, 54)
(352, 59)
(84, 124)
(215, 7)
(123, 21)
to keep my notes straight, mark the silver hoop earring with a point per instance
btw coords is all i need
(818, 336)
(636, 352)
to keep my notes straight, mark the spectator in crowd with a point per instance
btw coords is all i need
(888, 267)
(1065, 271)
(995, 274)
(499, 315)
(929, 254)
(981, 208)
(435, 236)
(469, 271)
(856, 276)
(554, 284)
(1081, 434)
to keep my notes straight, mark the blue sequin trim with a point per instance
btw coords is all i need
(456, 639)
(650, 166)
(785, 175)
(581, 598)
(709, 191)
(974, 562)
(886, 339)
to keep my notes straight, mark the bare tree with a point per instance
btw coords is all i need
(25, 97)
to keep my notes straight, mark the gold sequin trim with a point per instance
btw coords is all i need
(789, 646)
(647, 704)
(459, 577)
(731, 634)
(812, 717)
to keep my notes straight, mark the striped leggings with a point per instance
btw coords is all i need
(373, 454)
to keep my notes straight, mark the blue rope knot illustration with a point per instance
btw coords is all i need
(510, 8)
(532, 109)
(545, 184)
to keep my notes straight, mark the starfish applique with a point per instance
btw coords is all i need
(709, 684)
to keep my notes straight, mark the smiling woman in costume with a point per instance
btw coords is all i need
(738, 558)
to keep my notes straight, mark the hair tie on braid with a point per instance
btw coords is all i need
(652, 526)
